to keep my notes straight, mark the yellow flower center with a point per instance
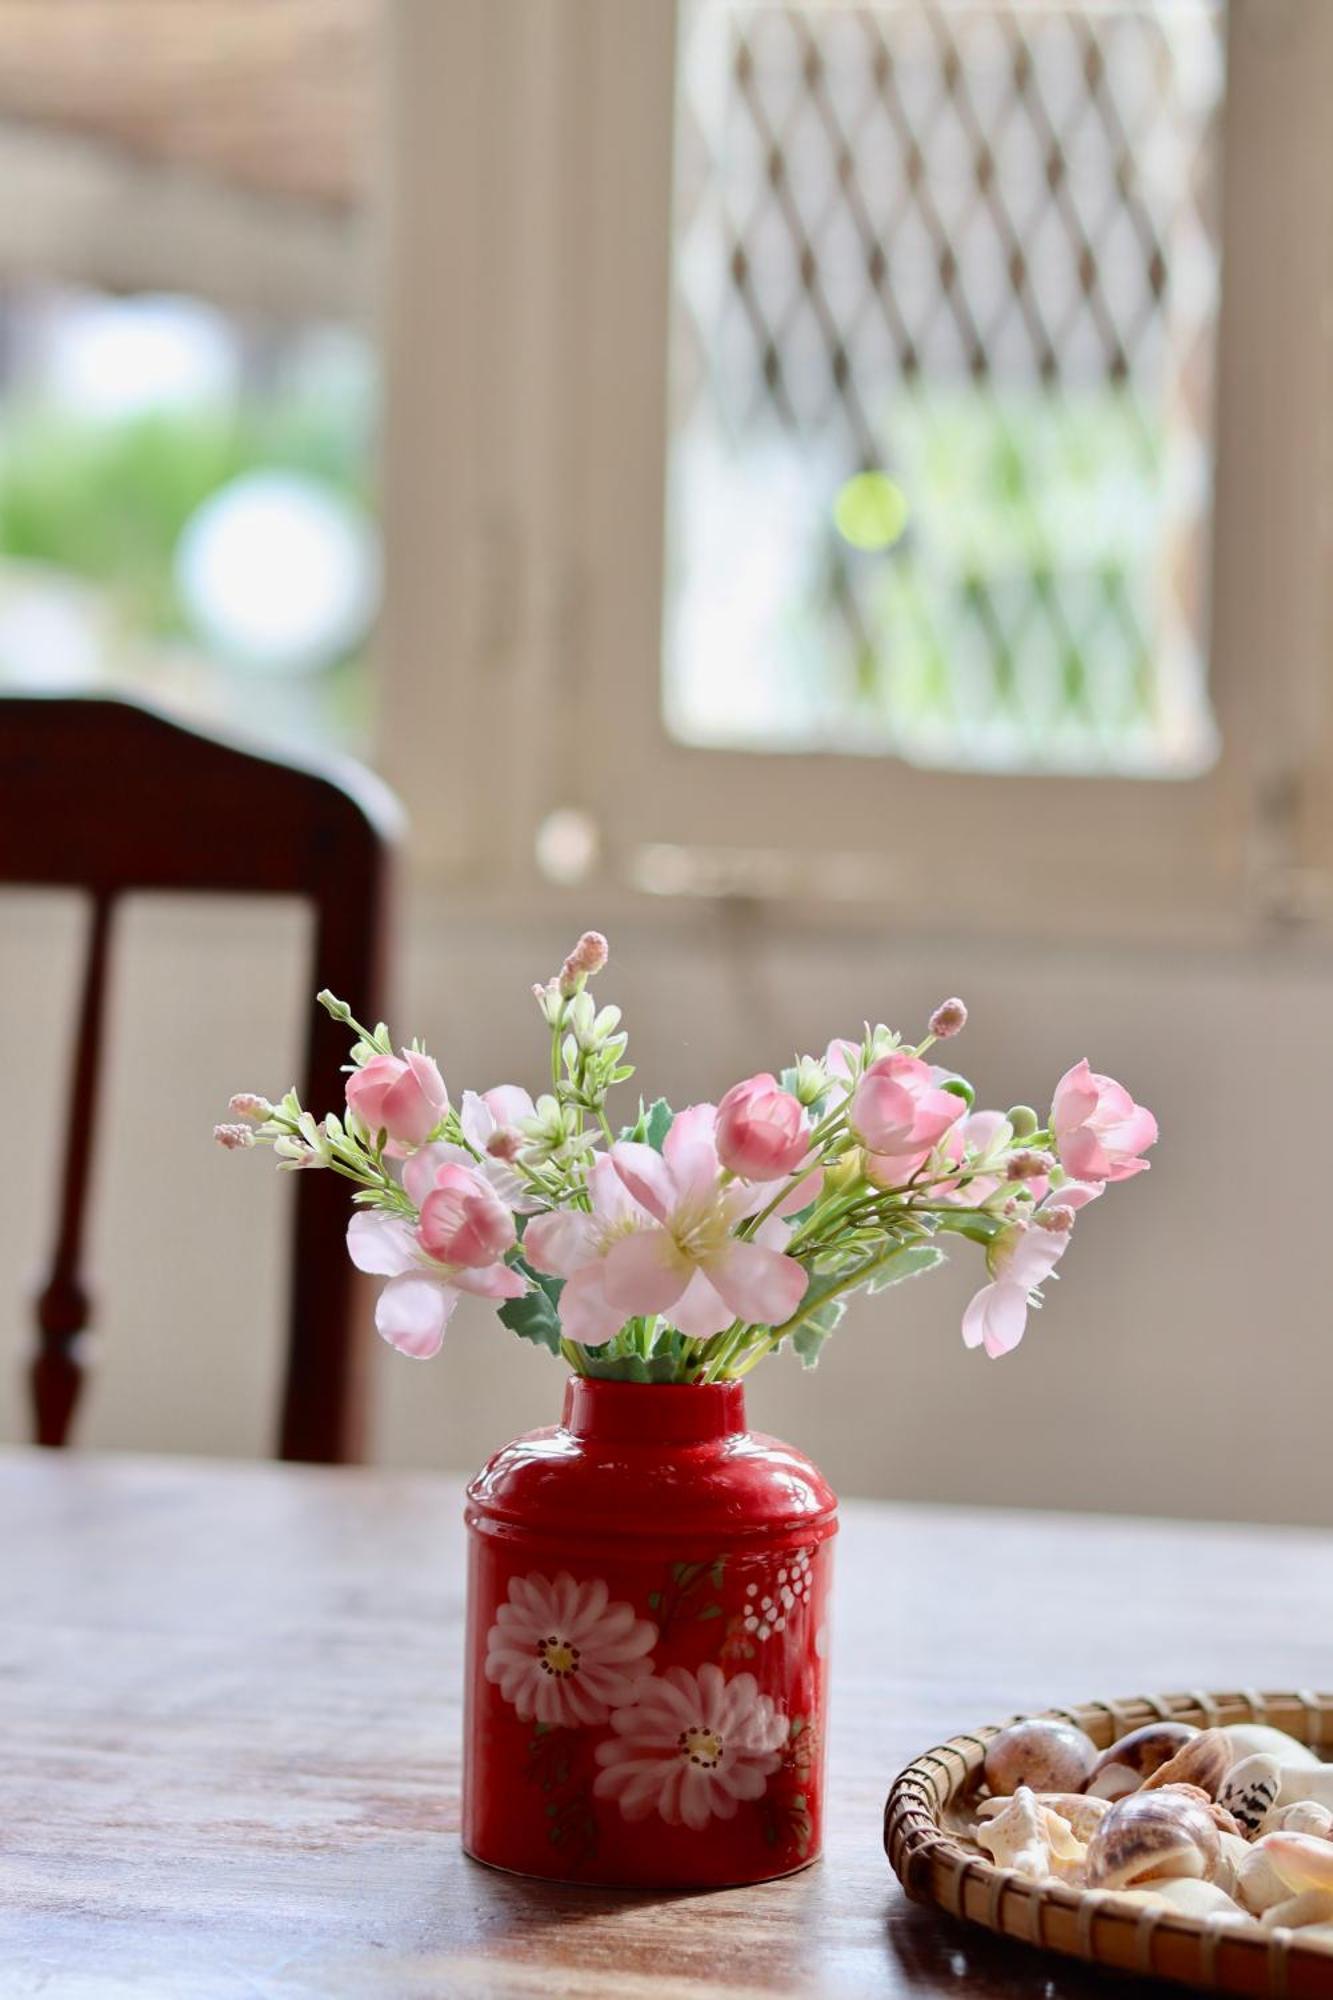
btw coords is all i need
(558, 1658)
(700, 1230)
(702, 1747)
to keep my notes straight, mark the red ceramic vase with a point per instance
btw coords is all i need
(648, 1594)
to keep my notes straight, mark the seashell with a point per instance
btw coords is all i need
(1311, 1906)
(1250, 1790)
(1082, 1814)
(1151, 1835)
(1018, 1837)
(1303, 1816)
(1191, 1897)
(1123, 1768)
(1204, 1761)
(1252, 1739)
(1301, 1860)
(1302, 1782)
(1220, 1817)
(1043, 1753)
(1258, 1886)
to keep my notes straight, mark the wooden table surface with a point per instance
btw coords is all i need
(229, 1738)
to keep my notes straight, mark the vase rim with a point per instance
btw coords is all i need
(674, 1413)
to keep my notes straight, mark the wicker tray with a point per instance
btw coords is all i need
(1096, 1924)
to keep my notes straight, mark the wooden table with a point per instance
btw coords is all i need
(229, 1732)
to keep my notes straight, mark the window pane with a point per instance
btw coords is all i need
(944, 306)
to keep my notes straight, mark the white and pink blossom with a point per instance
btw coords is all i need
(417, 1304)
(688, 1263)
(1021, 1258)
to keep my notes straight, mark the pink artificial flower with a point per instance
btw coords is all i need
(660, 1239)
(763, 1132)
(574, 1245)
(1099, 1130)
(401, 1095)
(899, 1113)
(688, 1263)
(1021, 1258)
(463, 1220)
(415, 1306)
(489, 1123)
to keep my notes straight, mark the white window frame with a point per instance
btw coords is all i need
(527, 249)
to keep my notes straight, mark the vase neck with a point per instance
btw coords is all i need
(653, 1412)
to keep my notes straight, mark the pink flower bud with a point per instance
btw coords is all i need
(949, 1018)
(463, 1220)
(762, 1132)
(247, 1105)
(233, 1137)
(588, 957)
(1030, 1164)
(1059, 1220)
(505, 1143)
(401, 1095)
(898, 1110)
(1099, 1130)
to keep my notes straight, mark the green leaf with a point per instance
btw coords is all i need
(977, 1228)
(816, 1326)
(654, 1600)
(958, 1086)
(659, 1120)
(909, 1262)
(534, 1317)
(710, 1611)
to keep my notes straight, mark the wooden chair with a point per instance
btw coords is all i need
(112, 797)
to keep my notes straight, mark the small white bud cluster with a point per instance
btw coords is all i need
(810, 1082)
(553, 1133)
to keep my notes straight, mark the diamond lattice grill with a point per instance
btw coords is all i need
(945, 296)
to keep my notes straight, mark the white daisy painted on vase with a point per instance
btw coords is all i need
(691, 1747)
(562, 1654)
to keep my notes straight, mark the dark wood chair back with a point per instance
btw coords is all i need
(112, 797)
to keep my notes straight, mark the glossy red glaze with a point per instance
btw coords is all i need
(647, 1618)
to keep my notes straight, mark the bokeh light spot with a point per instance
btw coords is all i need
(871, 511)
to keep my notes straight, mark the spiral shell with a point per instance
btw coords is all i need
(1022, 1834)
(1250, 1791)
(1123, 1768)
(1043, 1753)
(1204, 1761)
(1082, 1814)
(1302, 1816)
(1151, 1835)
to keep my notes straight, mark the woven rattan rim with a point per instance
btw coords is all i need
(1097, 1925)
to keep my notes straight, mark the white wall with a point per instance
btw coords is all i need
(1183, 1364)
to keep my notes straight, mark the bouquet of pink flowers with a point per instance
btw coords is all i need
(688, 1245)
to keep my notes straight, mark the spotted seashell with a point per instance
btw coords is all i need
(1043, 1753)
(1204, 1761)
(1302, 1816)
(1152, 1835)
(1250, 1791)
(1123, 1768)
